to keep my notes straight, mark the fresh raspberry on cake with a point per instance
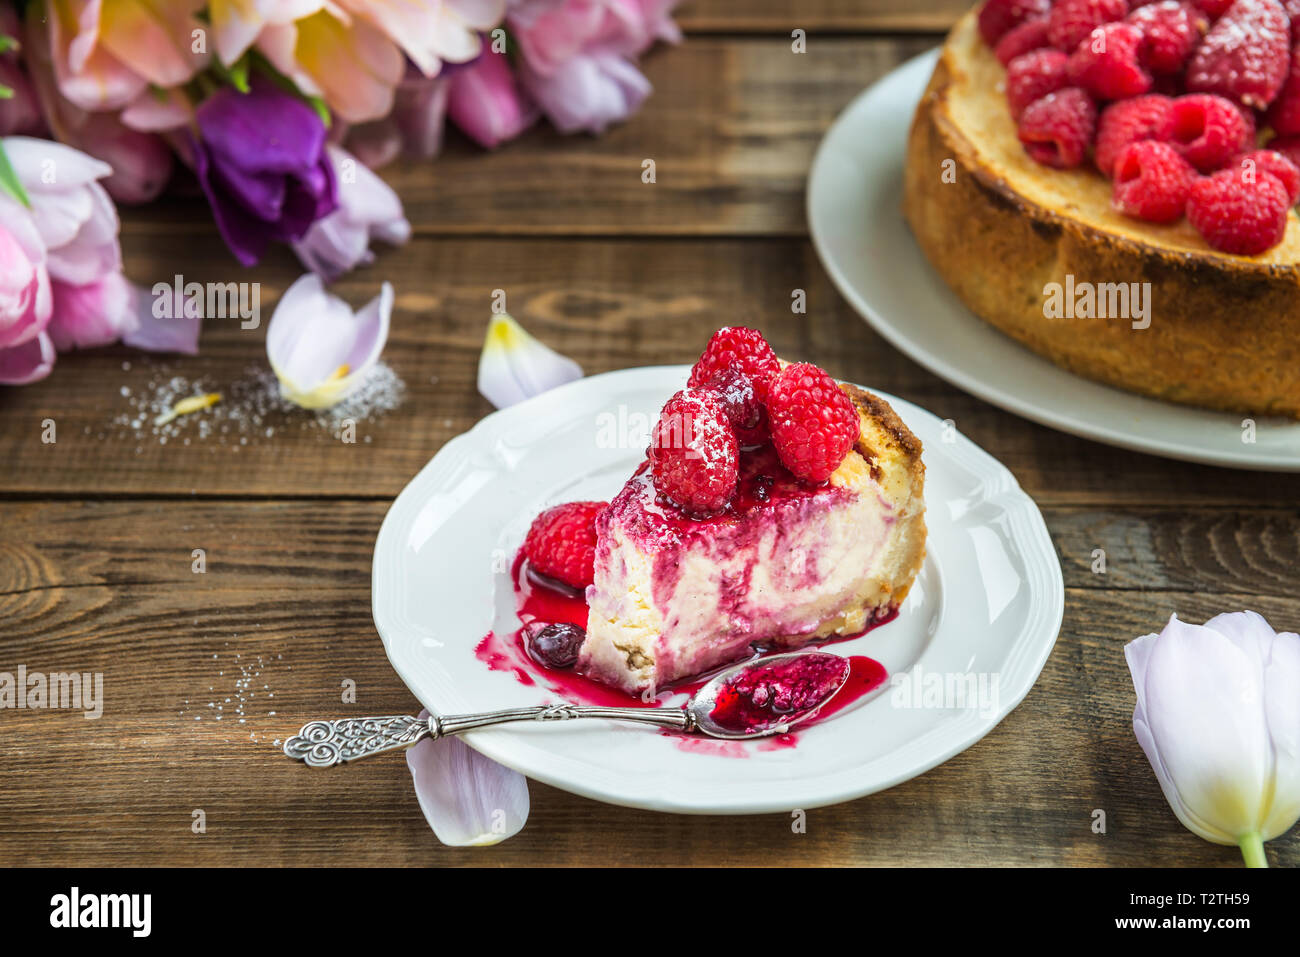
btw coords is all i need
(1213, 8)
(1030, 35)
(1058, 129)
(1288, 146)
(693, 452)
(1275, 164)
(1152, 182)
(739, 348)
(1284, 114)
(1245, 56)
(1072, 20)
(814, 423)
(1208, 130)
(1107, 63)
(996, 17)
(1147, 117)
(1237, 212)
(735, 391)
(561, 542)
(1170, 32)
(1034, 75)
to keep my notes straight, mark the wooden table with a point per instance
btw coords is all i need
(99, 528)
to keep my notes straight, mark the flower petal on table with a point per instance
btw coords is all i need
(319, 350)
(468, 800)
(164, 324)
(515, 366)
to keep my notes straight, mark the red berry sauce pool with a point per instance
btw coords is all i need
(540, 601)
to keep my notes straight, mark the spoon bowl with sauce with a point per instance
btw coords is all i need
(756, 699)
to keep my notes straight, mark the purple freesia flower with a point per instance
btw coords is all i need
(261, 159)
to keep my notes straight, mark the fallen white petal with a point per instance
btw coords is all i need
(468, 800)
(515, 366)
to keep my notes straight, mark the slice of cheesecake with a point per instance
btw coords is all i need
(784, 565)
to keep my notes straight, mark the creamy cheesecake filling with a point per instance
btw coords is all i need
(675, 596)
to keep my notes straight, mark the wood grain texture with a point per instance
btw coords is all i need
(609, 304)
(731, 128)
(286, 599)
(96, 530)
(780, 16)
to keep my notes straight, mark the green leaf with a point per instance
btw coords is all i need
(9, 181)
(6, 92)
(7, 43)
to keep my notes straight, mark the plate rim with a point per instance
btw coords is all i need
(990, 392)
(1046, 613)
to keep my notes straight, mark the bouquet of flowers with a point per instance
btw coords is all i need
(280, 110)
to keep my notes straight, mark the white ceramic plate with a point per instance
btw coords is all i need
(854, 214)
(988, 602)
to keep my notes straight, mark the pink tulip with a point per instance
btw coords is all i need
(94, 314)
(25, 301)
(21, 111)
(72, 213)
(485, 102)
(577, 56)
(26, 353)
(420, 113)
(141, 162)
(588, 92)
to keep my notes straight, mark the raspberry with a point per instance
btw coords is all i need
(1170, 32)
(561, 543)
(1246, 54)
(1208, 130)
(1130, 121)
(1275, 164)
(693, 452)
(1107, 65)
(735, 392)
(814, 423)
(1284, 113)
(1034, 75)
(1288, 146)
(1072, 20)
(1057, 130)
(1152, 182)
(1236, 215)
(1214, 8)
(1030, 35)
(739, 348)
(996, 17)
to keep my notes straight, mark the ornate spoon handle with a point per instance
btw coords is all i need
(325, 743)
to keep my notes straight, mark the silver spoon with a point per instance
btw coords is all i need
(325, 743)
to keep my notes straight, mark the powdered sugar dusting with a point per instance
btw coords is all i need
(251, 409)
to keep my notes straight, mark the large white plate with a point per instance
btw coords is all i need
(988, 601)
(854, 214)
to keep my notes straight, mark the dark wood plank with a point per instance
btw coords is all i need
(108, 587)
(731, 128)
(610, 304)
(821, 16)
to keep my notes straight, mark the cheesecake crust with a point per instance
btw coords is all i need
(1224, 330)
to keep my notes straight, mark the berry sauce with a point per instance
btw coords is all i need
(771, 695)
(542, 601)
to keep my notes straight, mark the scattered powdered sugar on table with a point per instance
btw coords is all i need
(251, 696)
(251, 408)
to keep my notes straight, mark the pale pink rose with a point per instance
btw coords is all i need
(485, 101)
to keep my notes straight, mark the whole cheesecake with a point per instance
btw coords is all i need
(786, 564)
(1041, 254)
